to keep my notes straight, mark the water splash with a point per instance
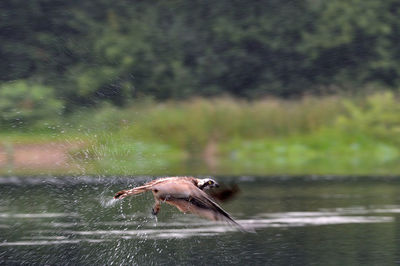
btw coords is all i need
(106, 203)
(106, 197)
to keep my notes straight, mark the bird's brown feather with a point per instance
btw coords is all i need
(183, 193)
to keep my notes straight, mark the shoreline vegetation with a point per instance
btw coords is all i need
(200, 87)
(329, 135)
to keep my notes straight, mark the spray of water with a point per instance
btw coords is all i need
(106, 203)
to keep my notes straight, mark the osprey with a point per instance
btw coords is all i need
(186, 193)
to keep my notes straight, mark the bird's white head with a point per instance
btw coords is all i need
(206, 183)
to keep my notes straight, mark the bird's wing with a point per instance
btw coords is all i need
(188, 198)
(147, 186)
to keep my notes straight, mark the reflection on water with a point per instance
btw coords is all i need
(163, 230)
(298, 221)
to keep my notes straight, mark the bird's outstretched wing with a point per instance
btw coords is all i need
(184, 195)
(134, 191)
(189, 198)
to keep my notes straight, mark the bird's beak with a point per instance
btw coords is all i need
(216, 184)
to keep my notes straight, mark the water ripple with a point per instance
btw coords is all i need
(37, 215)
(62, 232)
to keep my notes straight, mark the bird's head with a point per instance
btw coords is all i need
(207, 183)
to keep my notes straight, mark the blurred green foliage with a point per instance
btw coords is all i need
(93, 52)
(23, 104)
(314, 135)
(311, 135)
(291, 85)
(378, 116)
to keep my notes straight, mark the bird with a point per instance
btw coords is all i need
(185, 193)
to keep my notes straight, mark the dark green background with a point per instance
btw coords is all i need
(93, 51)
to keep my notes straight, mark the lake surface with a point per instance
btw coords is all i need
(298, 221)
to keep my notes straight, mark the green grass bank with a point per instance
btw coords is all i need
(336, 135)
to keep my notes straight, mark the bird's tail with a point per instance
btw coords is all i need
(125, 193)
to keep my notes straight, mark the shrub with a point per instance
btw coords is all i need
(379, 116)
(24, 104)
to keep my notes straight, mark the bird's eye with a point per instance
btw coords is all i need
(210, 182)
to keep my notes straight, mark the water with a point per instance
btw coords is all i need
(299, 221)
